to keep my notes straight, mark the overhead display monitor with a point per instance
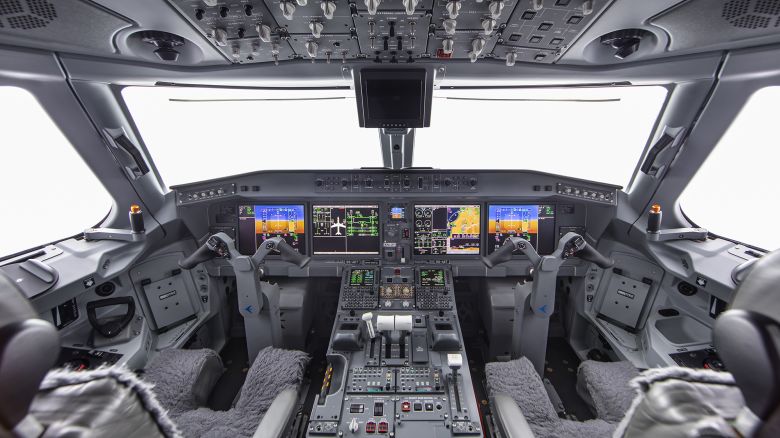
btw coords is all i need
(534, 223)
(446, 229)
(256, 223)
(394, 98)
(345, 229)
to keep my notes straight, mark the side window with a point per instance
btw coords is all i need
(47, 191)
(736, 193)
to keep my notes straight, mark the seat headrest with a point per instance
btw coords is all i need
(747, 336)
(28, 349)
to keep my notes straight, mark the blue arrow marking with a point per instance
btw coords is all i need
(543, 309)
(249, 309)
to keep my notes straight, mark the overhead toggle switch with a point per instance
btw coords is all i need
(372, 6)
(220, 37)
(288, 9)
(316, 28)
(263, 32)
(587, 7)
(477, 45)
(496, 7)
(511, 57)
(488, 25)
(311, 49)
(449, 26)
(328, 8)
(446, 46)
(537, 5)
(410, 6)
(453, 8)
(275, 53)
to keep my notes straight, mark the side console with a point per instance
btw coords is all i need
(396, 359)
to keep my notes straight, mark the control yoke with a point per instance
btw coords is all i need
(545, 268)
(222, 246)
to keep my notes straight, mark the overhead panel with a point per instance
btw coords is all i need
(394, 31)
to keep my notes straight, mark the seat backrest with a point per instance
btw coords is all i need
(747, 336)
(29, 347)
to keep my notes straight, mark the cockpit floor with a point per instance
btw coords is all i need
(234, 358)
(561, 370)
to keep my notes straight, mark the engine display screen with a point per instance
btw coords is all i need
(256, 223)
(534, 223)
(361, 277)
(345, 229)
(446, 229)
(431, 277)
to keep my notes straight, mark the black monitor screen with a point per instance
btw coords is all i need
(534, 223)
(256, 223)
(345, 229)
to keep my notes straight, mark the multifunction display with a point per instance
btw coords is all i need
(361, 277)
(446, 229)
(256, 223)
(431, 277)
(534, 223)
(345, 229)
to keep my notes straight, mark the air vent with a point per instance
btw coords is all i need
(752, 14)
(26, 15)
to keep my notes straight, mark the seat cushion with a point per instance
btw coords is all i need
(606, 386)
(183, 379)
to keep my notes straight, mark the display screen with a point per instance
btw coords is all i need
(534, 223)
(397, 213)
(256, 223)
(361, 277)
(431, 277)
(345, 229)
(446, 229)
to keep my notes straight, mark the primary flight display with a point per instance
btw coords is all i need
(534, 223)
(256, 223)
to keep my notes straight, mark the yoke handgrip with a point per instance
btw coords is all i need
(501, 255)
(589, 254)
(200, 255)
(291, 255)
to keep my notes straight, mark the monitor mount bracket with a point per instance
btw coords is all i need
(397, 147)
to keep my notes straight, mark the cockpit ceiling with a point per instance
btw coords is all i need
(512, 32)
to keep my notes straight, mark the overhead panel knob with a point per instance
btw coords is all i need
(302, 2)
(288, 9)
(477, 45)
(210, 3)
(311, 49)
(372, 6)
(449, 26)
(220, 37)
(316, 29)
(263, 32)
(537, 5)
(488, 25)
(496, 7)
(511, 58)
(453, 8)
(328, 8)
(587, 7)
(446, 46)
(410, 6)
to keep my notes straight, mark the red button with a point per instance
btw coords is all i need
(406, 406)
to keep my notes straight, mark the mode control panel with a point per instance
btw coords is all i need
(397, 183)
(584, 192)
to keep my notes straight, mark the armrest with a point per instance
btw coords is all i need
(510, 418)
(278, 415)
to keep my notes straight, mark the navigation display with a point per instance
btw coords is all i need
(431, 277)
(446, 229)
(361, 277)
(256, 223)
(345, 229)
(534, 223)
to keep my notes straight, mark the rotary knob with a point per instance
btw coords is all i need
(288, 9)
(220, 37)
(496, 7)
(488, 25)
(263, 32)
(511, 57)
(447, 45)
(587, 7)
(316, 29)
(372, 6)
(449, 26)
(328, 8)
(311, 49)
(453, 8)
(537, 5)
(302, 2)
(410, 6)
(477, 45)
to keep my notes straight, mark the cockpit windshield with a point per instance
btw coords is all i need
(595, 133)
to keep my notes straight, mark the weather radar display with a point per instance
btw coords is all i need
(446, 229)
(256, 223)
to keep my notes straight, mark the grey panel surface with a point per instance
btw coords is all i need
(169, 301)
(624, 300)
